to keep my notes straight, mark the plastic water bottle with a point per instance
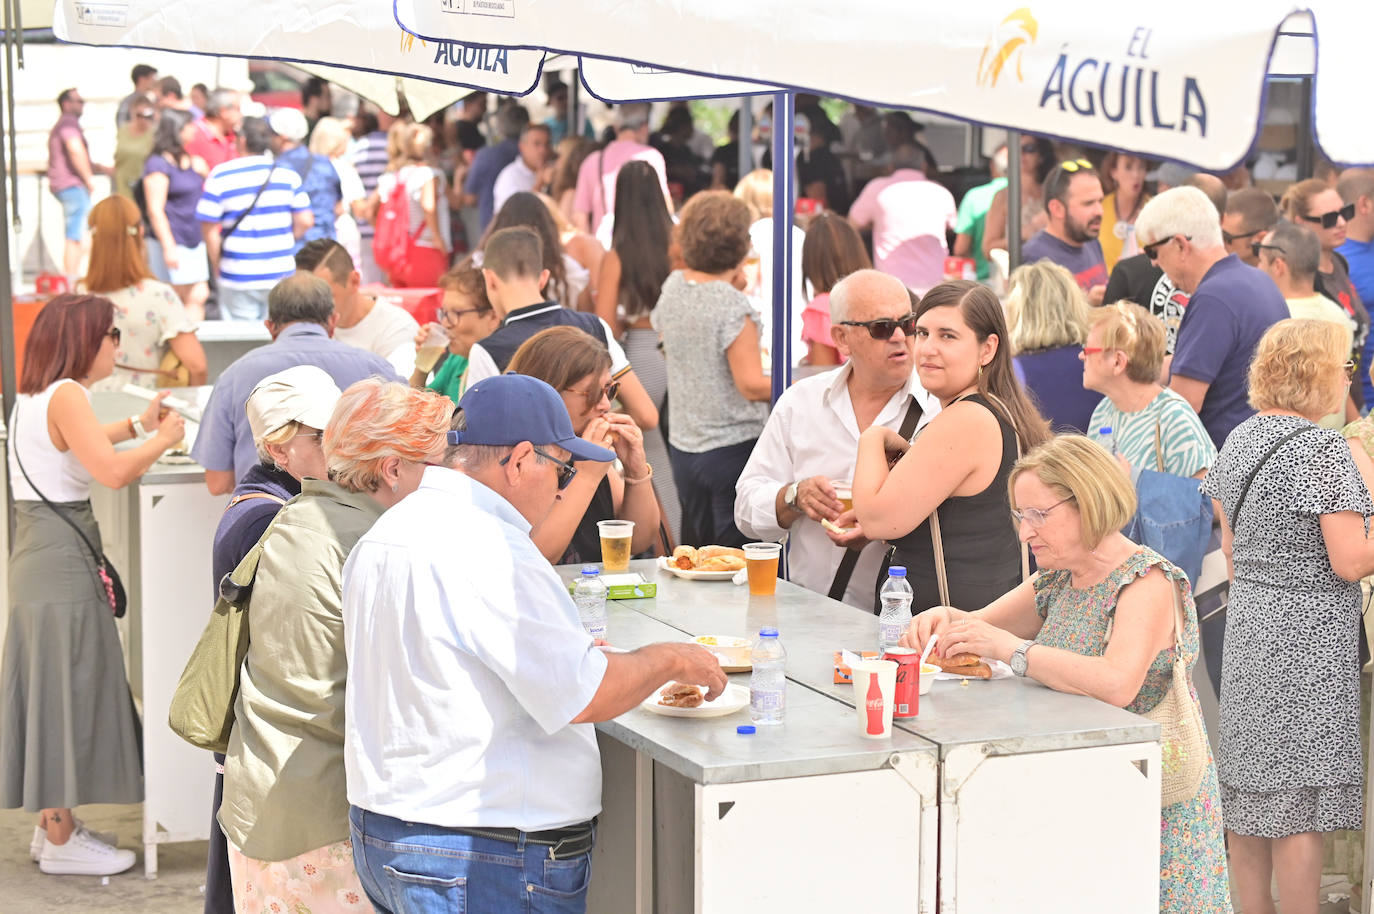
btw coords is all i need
(768, 681)
(1105, 438)
(896, 597)
(590, 597)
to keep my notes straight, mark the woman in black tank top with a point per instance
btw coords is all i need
(957, 467)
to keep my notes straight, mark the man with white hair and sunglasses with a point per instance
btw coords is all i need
(788, 487)
(1231, 306)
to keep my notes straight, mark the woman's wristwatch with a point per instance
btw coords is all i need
(136, 427)
(1018, 658)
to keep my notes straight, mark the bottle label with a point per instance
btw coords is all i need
(890, 632)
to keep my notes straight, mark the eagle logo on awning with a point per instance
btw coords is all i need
(1010, 37)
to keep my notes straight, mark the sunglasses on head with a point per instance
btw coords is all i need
(1329, 220)
(566, 471)
(1075, 165)
(884, 327)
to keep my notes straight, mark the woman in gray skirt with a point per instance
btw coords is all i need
(68, 732)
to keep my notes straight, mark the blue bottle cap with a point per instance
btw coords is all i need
(768, 632)
(745, 729)
(896, 571)
(591, 570)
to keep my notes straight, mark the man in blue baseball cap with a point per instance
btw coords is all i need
(472, 686)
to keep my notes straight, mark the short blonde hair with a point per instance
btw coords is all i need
(1046, 308)
(1299, 366)
(276, 436)
(756, 190)
(1079, 468)
(329, 138)
(377, 419)
(1136, 332)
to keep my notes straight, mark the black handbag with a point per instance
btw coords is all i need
(104, 569)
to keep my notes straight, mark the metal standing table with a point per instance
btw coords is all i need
(1048, 801)
(697, 817)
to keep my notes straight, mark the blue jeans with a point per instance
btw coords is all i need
(413, 868)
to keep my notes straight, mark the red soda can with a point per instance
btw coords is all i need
(906, 702)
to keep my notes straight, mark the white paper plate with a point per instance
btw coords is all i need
(734, 698)
(672, 569)
(733, 653)
(999, 671)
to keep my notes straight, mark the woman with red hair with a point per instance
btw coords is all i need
(285, 806)
(68, 731)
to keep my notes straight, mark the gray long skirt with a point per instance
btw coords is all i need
(68, 731)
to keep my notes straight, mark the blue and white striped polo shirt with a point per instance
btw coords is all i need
(259, 252)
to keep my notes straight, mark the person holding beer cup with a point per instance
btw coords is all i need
(579, 368)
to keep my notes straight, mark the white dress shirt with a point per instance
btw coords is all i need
(514, 178)
(466, 663)
(812, 432)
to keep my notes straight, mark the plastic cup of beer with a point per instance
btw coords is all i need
(615, 543)
(875, 688)
(761, 560)
(434, 346)
(844, 492)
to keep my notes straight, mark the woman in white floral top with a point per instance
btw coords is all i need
(150, 316)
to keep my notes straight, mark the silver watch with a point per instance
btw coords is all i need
(1018, 661)
(789, 497)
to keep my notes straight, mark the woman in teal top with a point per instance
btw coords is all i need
(467, 317)
(1152, 427)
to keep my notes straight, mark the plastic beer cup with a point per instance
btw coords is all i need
(761, 559)
(615, 543)
(433, 347)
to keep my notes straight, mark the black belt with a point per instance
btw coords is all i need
(563, 843)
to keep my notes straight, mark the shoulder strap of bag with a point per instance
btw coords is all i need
(96, 554)
(1245, 490)
(850, 559)
(1159, 445)
(271, 167)
(249, 496)
(1177, 625)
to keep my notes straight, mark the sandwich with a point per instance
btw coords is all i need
(680, 695)
(710, 552)
(963, 665)
(685, 558)
(721, 563)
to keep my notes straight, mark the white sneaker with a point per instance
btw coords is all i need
(40, 835)
(84, 855)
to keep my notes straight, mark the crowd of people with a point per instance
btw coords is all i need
(605, 314)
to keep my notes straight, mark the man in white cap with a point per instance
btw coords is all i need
(287, 412)
(319, 179)
(471, 683)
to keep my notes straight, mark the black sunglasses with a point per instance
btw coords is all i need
(114, 335)
(1152, 250)
(1257, 246)
(1232, 239)
(1329, 220)
(566, 471)
(884, 327)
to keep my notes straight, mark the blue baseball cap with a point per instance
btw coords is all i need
(505, 410)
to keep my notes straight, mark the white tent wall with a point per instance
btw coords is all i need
(102, 77)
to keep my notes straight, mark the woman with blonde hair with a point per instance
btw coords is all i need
(1152, 427)
(1047, 315)
(952, 478)
(158, 345)
(1099, 619)
(330, 139)
(412, 173)
(1295, 519)
(285, 806)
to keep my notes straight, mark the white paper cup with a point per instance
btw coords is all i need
(873, 707)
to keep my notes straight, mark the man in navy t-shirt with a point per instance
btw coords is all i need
(1357, 187)
(1073, 202)
(1231, 307)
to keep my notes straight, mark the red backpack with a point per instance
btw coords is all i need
(392, 239)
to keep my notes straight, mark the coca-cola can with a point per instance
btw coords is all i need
(906, 702)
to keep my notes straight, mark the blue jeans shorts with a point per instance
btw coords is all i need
(413, 868)
(76, 203)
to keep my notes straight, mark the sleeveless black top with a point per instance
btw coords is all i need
(586, 541)
(982, 550)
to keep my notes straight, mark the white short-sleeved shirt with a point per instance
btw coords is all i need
(387, 330)
(466, 664)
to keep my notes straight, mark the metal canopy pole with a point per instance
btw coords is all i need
(783, 166)
(745, 136)
(573, 125)
(1013, 200)
(8, 167)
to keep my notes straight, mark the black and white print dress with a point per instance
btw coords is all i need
(1289, 758)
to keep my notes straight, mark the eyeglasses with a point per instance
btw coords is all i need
(114, 335)
(1232, 239)
(1329, 220)
(566, 471)
(1350, 368)
(1257, 246)
(1028, 148)
(596, 393)
(318, 436)
(1037, 517)
(1089, 350)
(883, 327)
(1152, 250)
(144, 115)
(452, 314)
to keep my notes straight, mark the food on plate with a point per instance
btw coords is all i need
(708, 558)
(963, 665)
(680, 695)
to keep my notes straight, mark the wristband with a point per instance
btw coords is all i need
(649, 474)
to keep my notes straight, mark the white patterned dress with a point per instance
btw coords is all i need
(1289, 757)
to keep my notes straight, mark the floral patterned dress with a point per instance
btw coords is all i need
(1192, 855)
(148, 314)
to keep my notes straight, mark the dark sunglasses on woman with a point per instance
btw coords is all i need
(884, 327)
(1329, 220)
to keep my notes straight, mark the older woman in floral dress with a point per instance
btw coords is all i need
(1098, 620)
